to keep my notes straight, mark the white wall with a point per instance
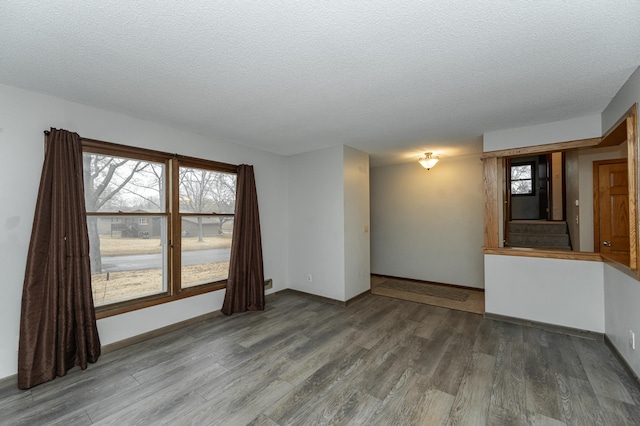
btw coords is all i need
(356, 222)
(622, 293)
(568, 293)
(559, 131)
(628, 94)
(23, 118)
(317, 223)
(621, 300)
(556, 291)
(428, 225)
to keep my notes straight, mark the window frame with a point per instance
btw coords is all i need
(531, 164)
(172, 162)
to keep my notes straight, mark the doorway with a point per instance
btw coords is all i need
(535, 202)
(611, 209)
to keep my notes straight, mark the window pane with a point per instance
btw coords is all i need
(521, 172)
(206, 191)
(128, 259)
(206, 248)
(114, 184)
(521, 187)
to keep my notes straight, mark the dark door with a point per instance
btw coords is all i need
(544, 162)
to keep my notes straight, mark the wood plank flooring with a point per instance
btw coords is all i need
(379, 361)
(473, 302)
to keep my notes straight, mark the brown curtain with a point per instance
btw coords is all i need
(245, 286)
(57, 324)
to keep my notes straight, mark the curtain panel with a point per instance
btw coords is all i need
(57, 324)
(245, 285)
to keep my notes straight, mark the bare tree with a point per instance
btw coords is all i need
(205, 191)
(521, 179)
(104, 179)
(224, 196)
(195, 193)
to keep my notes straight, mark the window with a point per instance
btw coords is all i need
(150, 245)
(206, 205)
(522, 177)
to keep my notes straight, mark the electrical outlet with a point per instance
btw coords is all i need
(632, 339)
(310, 278)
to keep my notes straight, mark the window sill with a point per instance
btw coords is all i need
(158, 299)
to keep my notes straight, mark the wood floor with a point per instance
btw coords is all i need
(379, 361)
(474, 301)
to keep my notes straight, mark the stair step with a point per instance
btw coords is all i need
(542, 227)
(537, 240)
(561, 248)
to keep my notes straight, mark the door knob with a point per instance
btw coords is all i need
(606, 244)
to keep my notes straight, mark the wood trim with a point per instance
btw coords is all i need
(175, 237)
(198, 163)
(135, 304)
(632, 158)
(491, 213)
(545, 254)
(118, 150)
(542, 149)
(115, 149)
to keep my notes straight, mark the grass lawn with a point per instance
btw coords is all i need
(129, 284)
(118, 246)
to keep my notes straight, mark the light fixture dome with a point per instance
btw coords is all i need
(429, 160)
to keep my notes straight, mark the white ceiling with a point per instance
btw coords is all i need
(393, 79)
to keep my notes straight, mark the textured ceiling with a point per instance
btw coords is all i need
(390, 78)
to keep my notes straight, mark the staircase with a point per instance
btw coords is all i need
(539, 234)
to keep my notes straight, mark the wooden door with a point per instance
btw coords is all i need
(611, 209)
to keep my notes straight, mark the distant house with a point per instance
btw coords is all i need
(130, 226)
(210, 226)
(150, 226)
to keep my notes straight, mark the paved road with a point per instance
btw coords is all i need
(153, 261)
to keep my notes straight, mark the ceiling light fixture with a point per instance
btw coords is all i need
(429, 160)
